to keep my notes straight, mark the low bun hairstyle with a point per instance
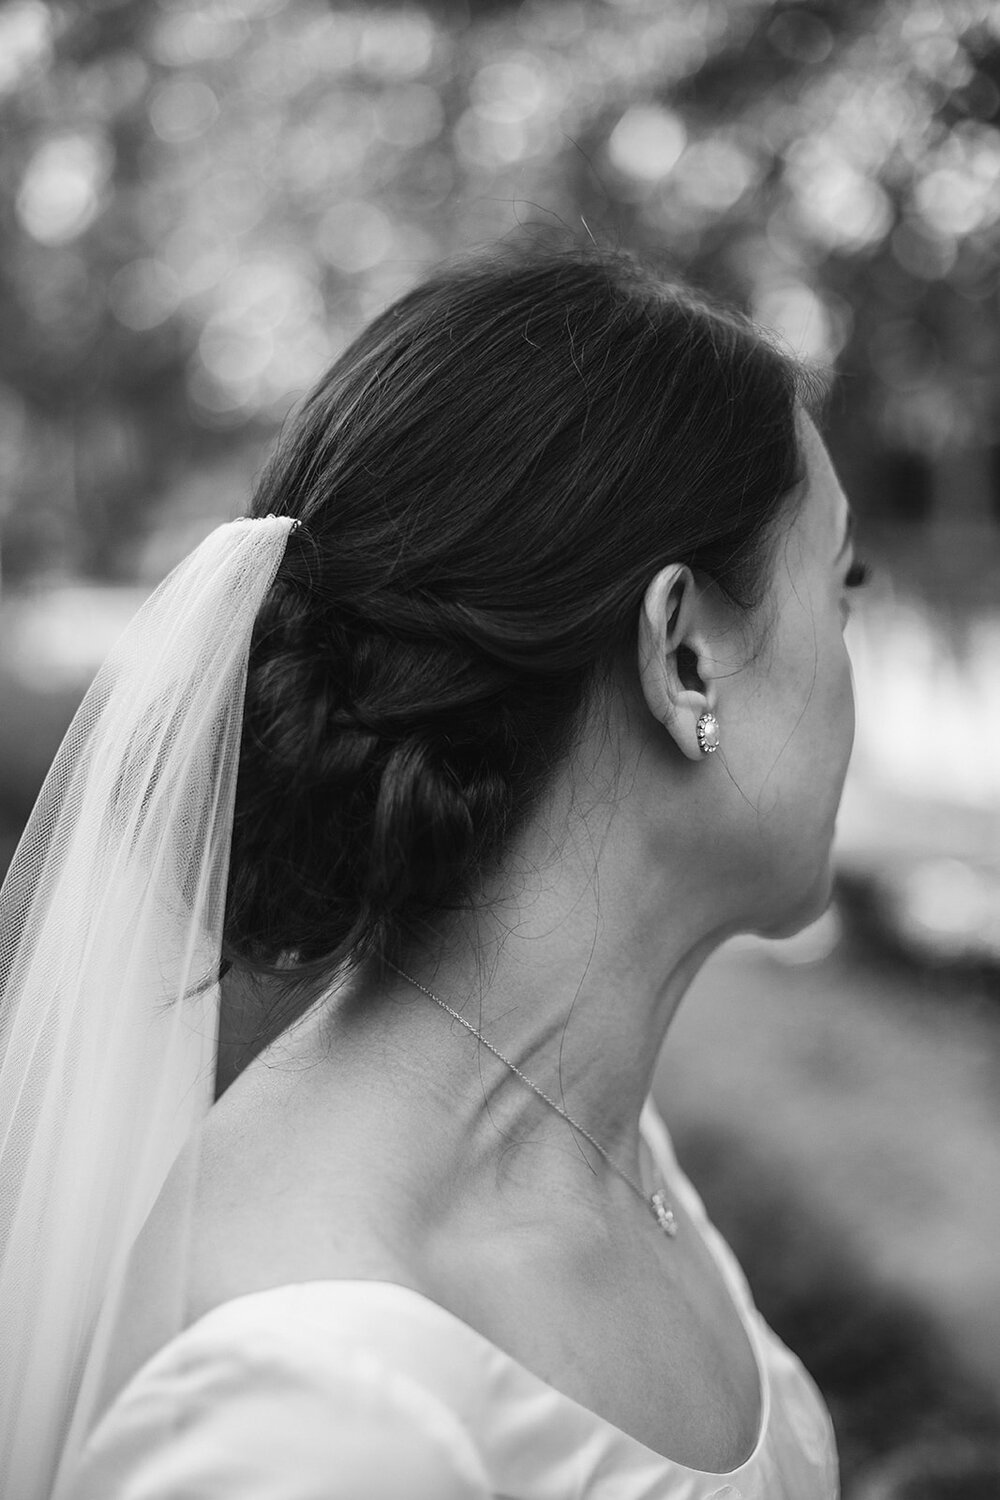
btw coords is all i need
(487, 480)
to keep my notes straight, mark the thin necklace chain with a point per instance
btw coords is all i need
(656, 1202)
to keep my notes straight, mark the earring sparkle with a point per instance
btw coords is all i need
(707, 730)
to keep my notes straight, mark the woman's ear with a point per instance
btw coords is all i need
(676, 669)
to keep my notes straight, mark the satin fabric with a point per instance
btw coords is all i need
(337, 1390)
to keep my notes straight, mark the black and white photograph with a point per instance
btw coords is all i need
(499, 750)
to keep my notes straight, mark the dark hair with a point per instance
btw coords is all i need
(488, 478)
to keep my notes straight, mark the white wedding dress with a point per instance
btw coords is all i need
(367, 1390)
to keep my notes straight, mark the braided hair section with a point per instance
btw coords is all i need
(380, 772)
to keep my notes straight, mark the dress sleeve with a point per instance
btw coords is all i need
(278, 1423)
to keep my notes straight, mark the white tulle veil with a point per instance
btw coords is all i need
(110, 934)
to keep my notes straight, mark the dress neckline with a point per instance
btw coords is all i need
(657, 1137)
(524, 1375)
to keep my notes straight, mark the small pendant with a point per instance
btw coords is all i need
(663, 1212)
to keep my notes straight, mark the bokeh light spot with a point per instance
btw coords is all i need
(647, 142)
(354, 236)
(802, 319)
(198, 34)
(839, 205)
(800, 36)
(182, 109)
(509, 91)
(396, 44)
(61, 191)
(714, 174)
(25, 42)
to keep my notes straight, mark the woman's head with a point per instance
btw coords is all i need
(490, 478)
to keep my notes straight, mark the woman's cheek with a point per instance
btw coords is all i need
(846, 711)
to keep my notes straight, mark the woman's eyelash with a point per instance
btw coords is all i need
(857, 574)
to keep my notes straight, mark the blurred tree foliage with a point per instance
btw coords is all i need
(204, 199)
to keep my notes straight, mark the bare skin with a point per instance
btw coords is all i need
(378, 1140)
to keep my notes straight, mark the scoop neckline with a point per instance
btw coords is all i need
(522, 1371)
(681, 1188)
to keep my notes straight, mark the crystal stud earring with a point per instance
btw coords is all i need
(707, 730)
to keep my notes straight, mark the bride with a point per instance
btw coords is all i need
(523, 688)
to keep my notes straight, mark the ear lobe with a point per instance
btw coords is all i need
(673, 659)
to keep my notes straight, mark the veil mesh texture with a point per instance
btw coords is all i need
(111, 920)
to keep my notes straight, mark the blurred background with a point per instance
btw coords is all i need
(202, 203)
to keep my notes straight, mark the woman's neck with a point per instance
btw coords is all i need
(574, 979)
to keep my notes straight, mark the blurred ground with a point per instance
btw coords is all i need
(840, 1118)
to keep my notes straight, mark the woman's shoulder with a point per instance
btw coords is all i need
(321, 1371)
(347, 1387)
